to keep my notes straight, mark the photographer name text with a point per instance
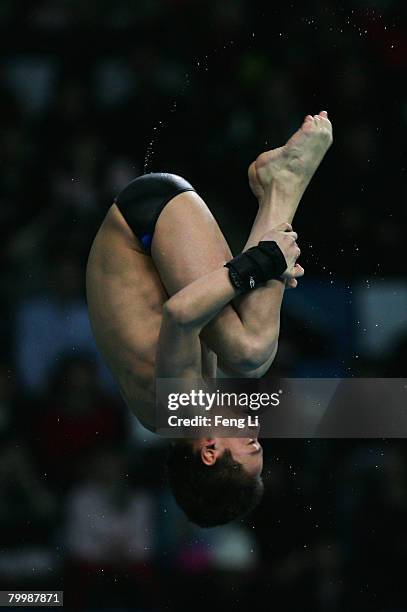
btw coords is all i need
(217, 421)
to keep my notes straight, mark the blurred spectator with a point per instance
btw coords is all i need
(13, 407)
(52, 324)
(26, 505)
(397, 365)
(28, 518)
(109, 534)
(372, 505)
(76, 417)
(76, 184)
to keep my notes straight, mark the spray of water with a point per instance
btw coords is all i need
(200, 64)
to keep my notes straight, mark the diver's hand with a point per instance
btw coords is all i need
(286, 240)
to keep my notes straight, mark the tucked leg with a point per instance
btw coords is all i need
(188, 244)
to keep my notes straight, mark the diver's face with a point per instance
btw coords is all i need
(246, 451)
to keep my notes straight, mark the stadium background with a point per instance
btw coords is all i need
(93, 93)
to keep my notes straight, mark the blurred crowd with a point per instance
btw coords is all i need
(93, 94)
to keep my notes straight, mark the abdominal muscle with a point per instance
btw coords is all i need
(125, 297)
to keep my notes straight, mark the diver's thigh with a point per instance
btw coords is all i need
(187, 242)
(125, 296)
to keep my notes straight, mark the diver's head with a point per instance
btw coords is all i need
(216, 480)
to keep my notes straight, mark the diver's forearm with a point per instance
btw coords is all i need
(199, 302)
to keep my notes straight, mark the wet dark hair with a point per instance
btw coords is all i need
(211, 495)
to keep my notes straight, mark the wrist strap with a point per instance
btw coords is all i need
(256, 266)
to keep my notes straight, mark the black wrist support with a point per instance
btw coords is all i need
(257, 265)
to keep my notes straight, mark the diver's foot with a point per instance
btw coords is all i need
(286, 171)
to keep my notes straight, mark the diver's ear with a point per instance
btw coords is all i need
(209, 451)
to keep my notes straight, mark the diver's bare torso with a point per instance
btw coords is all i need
(125, 297)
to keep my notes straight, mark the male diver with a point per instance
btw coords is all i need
(167, 299)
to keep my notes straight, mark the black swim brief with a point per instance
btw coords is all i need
(142, 201)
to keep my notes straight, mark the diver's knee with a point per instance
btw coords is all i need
(252, 354)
